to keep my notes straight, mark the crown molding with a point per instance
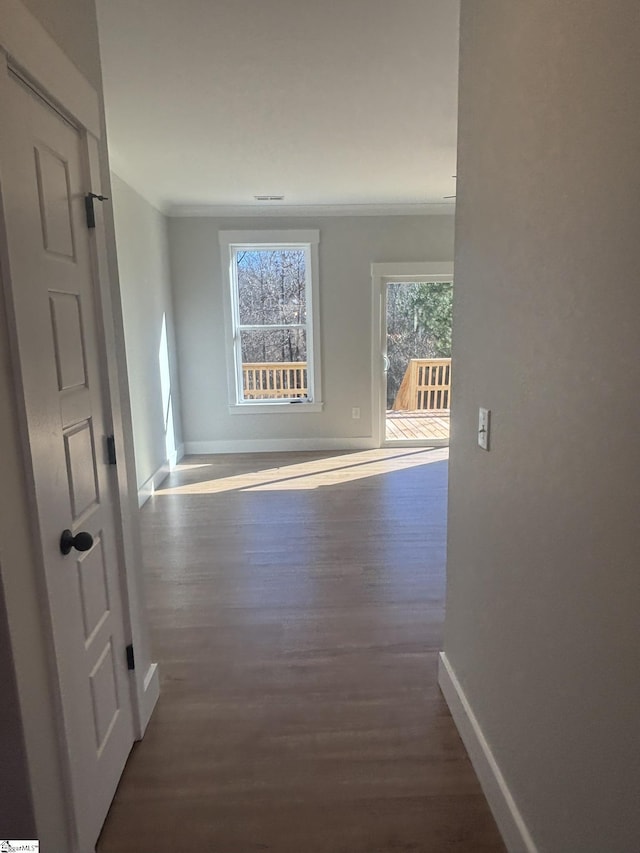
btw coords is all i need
(312, 210)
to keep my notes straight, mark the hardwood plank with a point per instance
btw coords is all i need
(297, 602)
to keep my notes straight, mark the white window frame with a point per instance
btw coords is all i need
(230, 243)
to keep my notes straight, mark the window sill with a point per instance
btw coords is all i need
(275, 408)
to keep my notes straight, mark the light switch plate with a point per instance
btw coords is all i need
(484, 426)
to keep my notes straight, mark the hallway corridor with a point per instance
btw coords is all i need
(297, 602)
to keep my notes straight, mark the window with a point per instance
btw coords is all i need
(271, 277)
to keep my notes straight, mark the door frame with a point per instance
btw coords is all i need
(381, 275)
(30, 52)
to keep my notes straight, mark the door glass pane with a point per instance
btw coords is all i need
(418, 344)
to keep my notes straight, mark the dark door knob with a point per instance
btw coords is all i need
(81, 541)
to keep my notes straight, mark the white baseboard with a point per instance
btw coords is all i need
(269, 445)
(505, 811)
(147, 489)
(176, 456)
(150, 694)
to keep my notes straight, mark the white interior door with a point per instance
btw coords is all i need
(61, 366)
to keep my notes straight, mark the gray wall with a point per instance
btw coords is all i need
(348, 246)
(147, 306)
(543, 602)
(16, 809)
(73, 25)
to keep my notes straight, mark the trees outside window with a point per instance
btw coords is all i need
(272, 304)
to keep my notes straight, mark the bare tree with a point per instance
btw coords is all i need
(271, 293)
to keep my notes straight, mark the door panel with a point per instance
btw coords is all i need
(93, 588)
(81, 470)
(42, 173)
(52, 174)
(104, 692)
(67, 340)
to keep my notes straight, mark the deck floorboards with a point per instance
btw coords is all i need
(417, 426)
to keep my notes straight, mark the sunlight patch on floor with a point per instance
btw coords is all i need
(311, 474)
(191, 466)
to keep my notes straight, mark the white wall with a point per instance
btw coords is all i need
(348, 246)
(147, 306)
(543, 610)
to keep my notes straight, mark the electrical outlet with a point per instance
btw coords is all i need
(484, 424)
(355, 413)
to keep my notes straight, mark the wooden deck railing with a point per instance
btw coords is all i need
(425, 386)
(270, 380)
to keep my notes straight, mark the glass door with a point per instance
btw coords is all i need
(417, 361)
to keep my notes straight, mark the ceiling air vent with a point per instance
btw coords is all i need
(269, 197)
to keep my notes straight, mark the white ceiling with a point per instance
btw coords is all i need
(333, 102)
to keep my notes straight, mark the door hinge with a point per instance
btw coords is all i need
(111, 450)
(88, 207)
(131, 661)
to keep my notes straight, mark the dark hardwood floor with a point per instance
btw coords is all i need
(296, 602)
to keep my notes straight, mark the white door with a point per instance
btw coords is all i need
(43, 168)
